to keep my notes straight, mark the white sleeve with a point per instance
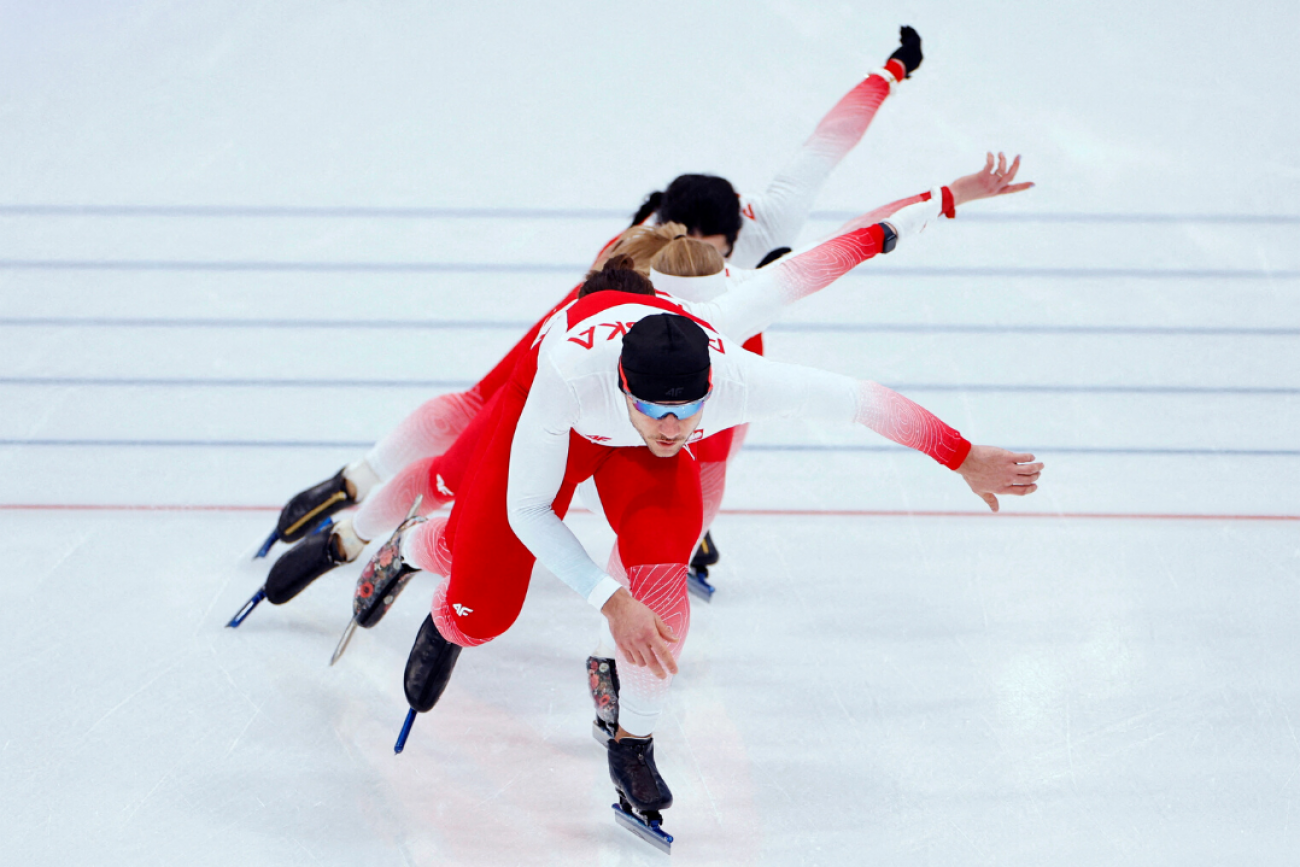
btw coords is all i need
(779, 213)
(538, 456)
(774, 389)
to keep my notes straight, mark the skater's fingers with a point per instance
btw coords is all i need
(666, 657)
(1016, 188)
(1011, 172)
(1002, 164)
(1029, 469)
(991, 500)
(1018, 490)
(988, 162)
(665, 631)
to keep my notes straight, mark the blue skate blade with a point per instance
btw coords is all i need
(406, 731)
(699, 586)
(652, 833)
(242, 614)
(325, 524)
(267, 545)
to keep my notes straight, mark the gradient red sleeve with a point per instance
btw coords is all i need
(895, 417)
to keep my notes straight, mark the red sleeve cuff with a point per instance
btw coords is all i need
(949, 205)
(959, 454)
(897, 68)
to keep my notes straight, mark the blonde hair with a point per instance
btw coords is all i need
(640, 243)
(688, 257)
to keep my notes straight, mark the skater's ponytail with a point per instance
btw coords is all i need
(618, 274)
(640, 244)
(648, 207)
(688, 257)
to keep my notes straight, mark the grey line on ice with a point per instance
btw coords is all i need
(427, 267)
(1033, 388)
(518, 325)
(749, 447)
(371, 212)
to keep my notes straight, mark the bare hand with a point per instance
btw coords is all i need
(641, 635)
(988, 182)
(990, 470)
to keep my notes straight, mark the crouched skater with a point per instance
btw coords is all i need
(617, 387)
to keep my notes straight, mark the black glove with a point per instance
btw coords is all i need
(909, 50)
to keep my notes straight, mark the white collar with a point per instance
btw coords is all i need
(690, 288)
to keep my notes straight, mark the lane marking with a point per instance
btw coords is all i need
(457, 384)
(416, 267)
(434, 213)
(754, 447)
(521, 325)
(778, 513)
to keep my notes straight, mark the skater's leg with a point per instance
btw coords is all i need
(427, 432)
(654, 506)
(387, 507)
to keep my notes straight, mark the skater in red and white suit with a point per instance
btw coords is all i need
(590, 400)
(745, 229)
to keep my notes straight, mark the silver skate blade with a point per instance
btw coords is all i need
(343, 641)
(415, 507)
(602, 737)
(655, 836)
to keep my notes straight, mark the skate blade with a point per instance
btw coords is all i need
(699, 587)
(343, 641)
(266, 546)
(405, 732)
(654, 835)
(415, 507)
(242, 614)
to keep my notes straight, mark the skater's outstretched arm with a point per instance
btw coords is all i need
(781, 390)
(757, 298)
(775, 218)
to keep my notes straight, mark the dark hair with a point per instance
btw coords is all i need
(648, 207)
(703, 203)
(617, 275)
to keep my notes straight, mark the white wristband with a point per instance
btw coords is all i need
(604, 589)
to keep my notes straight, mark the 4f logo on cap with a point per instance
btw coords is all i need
(461, 610)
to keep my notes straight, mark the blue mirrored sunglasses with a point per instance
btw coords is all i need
(657, 411)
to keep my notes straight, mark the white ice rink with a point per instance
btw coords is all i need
(239, 241)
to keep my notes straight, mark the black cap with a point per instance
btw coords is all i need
(665, 359)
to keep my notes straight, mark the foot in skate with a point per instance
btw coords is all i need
(385, 576)
(305, 511)
(308, 560)
(428, 669)
(697, 576)
(642, 792)
(602, 680)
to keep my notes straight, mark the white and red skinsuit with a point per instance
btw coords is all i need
(773, 219)
(562, 419)
(763, 292)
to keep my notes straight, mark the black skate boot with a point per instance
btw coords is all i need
(384, 577)
(697, 576)
(296, 568)
(428, 669)
(308, 508)
(602, 680)
(642, 793)
(303, 564)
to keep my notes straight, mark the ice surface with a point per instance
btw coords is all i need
(219, 224)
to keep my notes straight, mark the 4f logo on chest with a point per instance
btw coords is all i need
(587, 339)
